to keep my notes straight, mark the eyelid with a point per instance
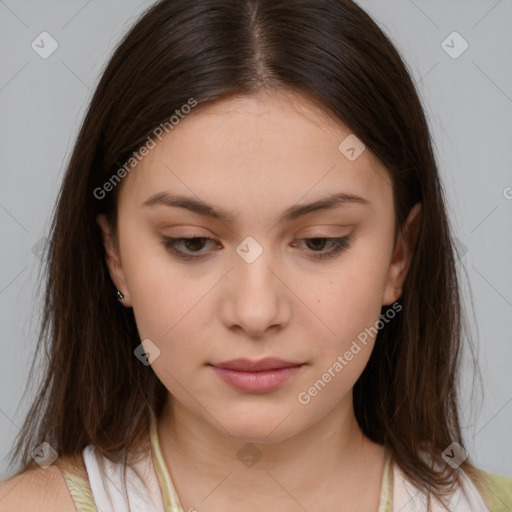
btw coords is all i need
(319, 234)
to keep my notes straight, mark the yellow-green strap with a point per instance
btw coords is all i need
(496, 491)
(386, 491)
(170, 498)
(75, 475)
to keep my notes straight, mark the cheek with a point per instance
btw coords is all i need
(172, 315)
(343, 304)
(172, 308)
(350, 307)
(168, 308)
(160, 292)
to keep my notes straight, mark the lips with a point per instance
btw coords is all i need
(248, 365)
(261, 376)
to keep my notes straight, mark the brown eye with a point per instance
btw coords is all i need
(317, 244)
(192, 246)
(192, 243)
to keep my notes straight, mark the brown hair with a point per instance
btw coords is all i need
(94, 390)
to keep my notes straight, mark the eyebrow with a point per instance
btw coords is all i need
(291, 213)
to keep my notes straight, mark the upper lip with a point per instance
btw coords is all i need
(248, 365)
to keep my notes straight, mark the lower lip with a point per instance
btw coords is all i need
(257, 382)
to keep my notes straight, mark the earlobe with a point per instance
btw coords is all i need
(402, 258)
(113, 260)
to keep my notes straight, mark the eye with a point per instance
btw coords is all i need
(337, 245)
(194, 244)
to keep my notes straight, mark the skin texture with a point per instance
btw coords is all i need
(36, 490)
(254, 157)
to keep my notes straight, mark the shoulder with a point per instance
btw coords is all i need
(496, 490)
(36, 490)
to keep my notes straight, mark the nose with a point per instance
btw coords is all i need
(255, 300)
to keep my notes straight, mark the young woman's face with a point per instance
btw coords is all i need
(261, 287)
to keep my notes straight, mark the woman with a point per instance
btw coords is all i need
(252, 299)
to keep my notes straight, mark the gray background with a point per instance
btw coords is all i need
(468, 101)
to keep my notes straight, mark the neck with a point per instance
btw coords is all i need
(332, 456)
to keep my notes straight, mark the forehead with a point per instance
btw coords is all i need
(263, 150)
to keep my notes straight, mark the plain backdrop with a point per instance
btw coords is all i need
(467, 96)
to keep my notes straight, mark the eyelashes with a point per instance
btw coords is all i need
(338, 245)
(172, 245)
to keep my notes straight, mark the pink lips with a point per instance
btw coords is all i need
(256, 376)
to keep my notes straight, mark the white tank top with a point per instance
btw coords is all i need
(122, 488)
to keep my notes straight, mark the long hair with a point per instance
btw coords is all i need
(93, 390)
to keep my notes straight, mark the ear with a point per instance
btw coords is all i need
(113, 260)
(404, 250)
